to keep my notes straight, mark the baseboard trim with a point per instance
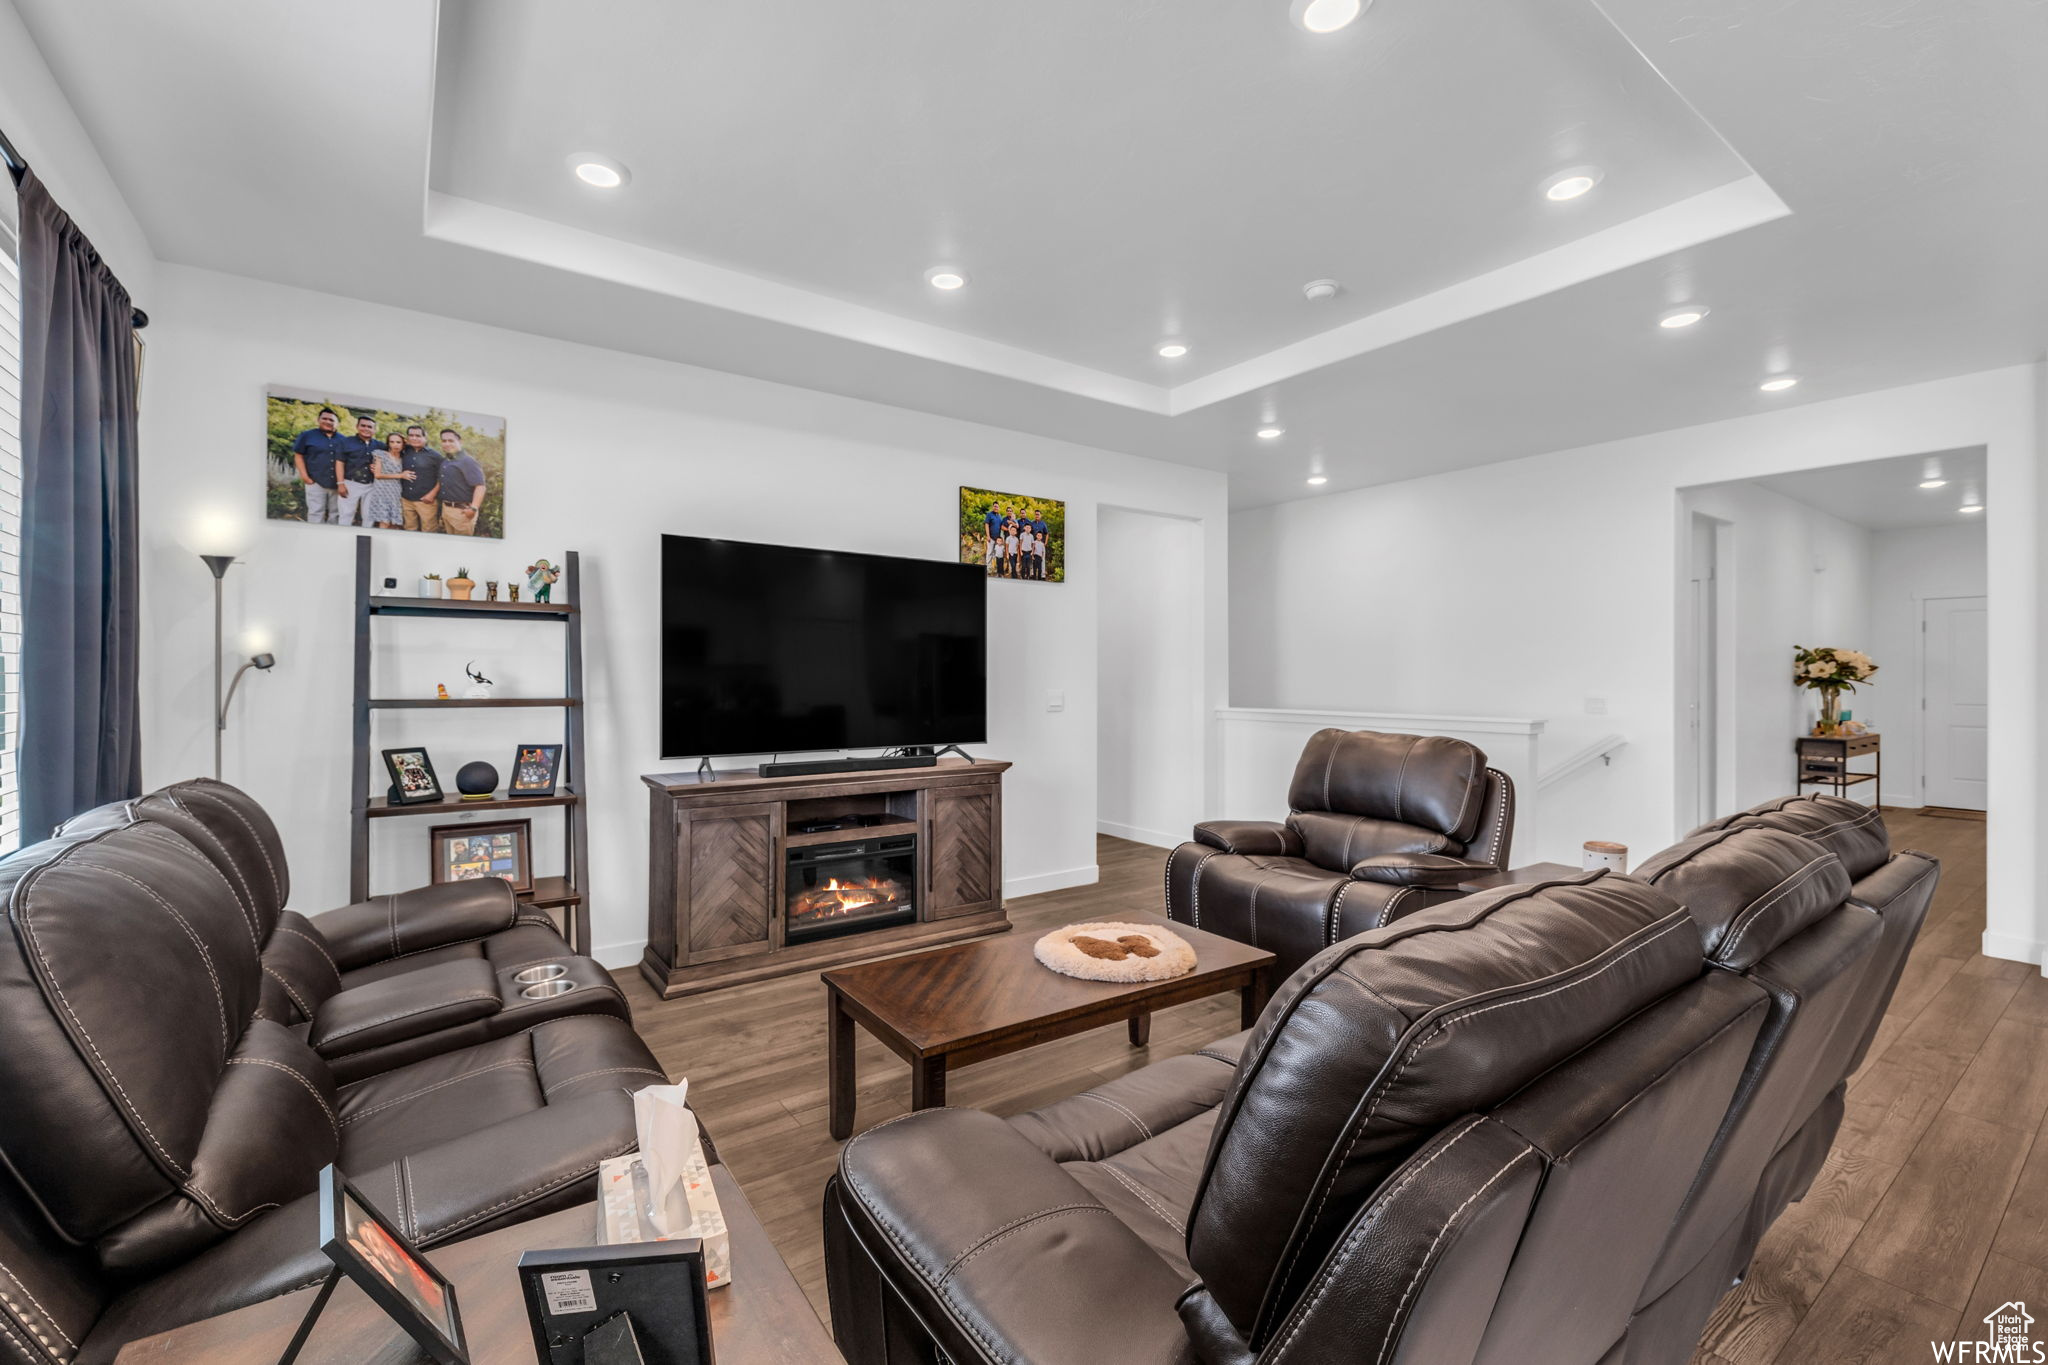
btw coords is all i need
(1156, 837)
(619, 956)
(1051, 881)
(2013, 948)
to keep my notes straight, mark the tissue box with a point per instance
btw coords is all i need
(622, 1210)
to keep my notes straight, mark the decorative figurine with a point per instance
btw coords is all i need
(490, 590)
(441, 690)
(480, 686)
(511, 592)
(541, 576)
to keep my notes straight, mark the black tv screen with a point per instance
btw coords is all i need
(774, 649)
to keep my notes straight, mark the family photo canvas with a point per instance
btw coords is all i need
(1014, 536)
(368, 463)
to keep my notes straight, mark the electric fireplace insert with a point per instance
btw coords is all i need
(849, 887)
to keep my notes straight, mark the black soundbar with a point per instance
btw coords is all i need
(805, 767)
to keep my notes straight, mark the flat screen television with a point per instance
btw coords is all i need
(776, 649)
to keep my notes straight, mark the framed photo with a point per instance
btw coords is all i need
(1014, 536)
(534, 770)
(412, 777)
(586, 1304)
(363, 1244)
(336, 460)
(472, 852)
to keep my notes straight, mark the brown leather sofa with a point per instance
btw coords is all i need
(1543, 1125)
(165, 1129)
(1380, 826)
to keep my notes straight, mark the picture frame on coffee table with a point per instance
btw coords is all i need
(536, 768)
(365, 1246)
(472, 851)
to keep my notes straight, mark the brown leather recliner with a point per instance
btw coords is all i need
(1380, 826)
(1541, 1126)
(163, 1137)
(1480, 1118)
(386, 981)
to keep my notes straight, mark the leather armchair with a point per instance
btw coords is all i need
(1380, 826)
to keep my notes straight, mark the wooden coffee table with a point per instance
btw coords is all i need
(951, 1006)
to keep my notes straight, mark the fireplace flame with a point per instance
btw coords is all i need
(843, 898)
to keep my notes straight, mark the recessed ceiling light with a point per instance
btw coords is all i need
(1172, 350)
(1318, 480)
(1682, 317)
(601, 171)
(1971, 507)
(1271, 433)
(1930, 474)
(1973, 501)
(1326, 16)
(1571, 184)
(1934, 483)
(1320, 291)
(944, 277)
(1778, 383)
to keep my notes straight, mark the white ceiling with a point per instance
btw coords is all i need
(1885, 495)
(1113, 171)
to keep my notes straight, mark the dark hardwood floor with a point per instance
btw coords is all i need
(1932, 1209)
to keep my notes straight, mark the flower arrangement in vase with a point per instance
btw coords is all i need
(1830, 672)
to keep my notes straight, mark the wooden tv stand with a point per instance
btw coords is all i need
(718, 851)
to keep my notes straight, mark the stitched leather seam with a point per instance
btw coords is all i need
(1933, 869)
(1146, 1195)
(1227, 1061)
(20, 1328)
(48, 1316)
(298, 1076)
(1336, 912)
(996, 1233)
(1748, 919)
(515, 1063)
(1676, 920)
(304, 1008)
(391, 914)
(1136, 1122)
(1387, 911)
(408, 1215)
(1401, 777)
(550, 1186)
(1474, 791)
(1394, 1322)
(29, 930)
(245, 900)
(1329, 762)
(1327, 1274)
(548, 1090)
(470, 998)
(276, 883)
(220, 1003)
(318, 947)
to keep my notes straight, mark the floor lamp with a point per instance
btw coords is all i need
(218, 564)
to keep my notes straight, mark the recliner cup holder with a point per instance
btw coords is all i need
(547, 990)
(533, 976)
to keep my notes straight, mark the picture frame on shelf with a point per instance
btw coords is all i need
(365, 1246)
(413, 781)
(473, 851)
(536, 768)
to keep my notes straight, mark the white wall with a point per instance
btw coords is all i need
(605, 451)
(40, 123)
(1527, 587)
(1151, 735)
(1907, 566)
(1792, 575)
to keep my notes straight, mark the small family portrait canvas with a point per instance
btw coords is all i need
(368, 462)
(1013, 536)
(468, 853)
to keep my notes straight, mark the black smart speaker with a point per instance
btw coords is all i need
(476, 781)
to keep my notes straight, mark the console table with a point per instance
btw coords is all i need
(761, 1318)
(719, 852)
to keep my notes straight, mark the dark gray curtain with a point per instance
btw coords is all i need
(80, 733)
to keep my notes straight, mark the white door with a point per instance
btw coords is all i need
(1955, 701)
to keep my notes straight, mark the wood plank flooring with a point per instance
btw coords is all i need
(1931, 1211)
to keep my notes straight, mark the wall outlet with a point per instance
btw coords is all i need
(1596, 706)
(1055, 700)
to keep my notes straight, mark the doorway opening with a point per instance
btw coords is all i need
(1151, 747)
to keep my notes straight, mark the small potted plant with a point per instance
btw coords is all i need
(461, 586)
(430, 585)
(1830, 672)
